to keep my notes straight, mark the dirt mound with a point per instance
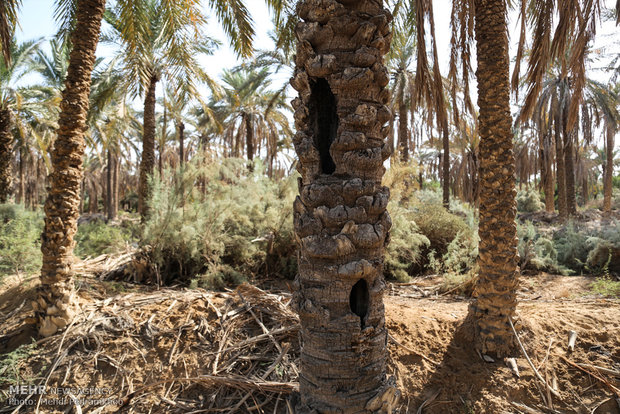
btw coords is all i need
(173, 350)
(459, 381)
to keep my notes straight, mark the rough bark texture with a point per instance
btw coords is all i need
(55, 305)
(340, 216)
(498, 256)
(609, 171)
(6, 175)
(147, 161)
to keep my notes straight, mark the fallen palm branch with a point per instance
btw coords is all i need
(162, 348)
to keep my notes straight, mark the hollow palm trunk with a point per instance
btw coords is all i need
(6, 154)
(569, 165)
(147, 161)
(56, 305)
(340, 216)
(498, 257)
(609, 170)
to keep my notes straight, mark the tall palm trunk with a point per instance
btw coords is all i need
(147, 162)
(162, 141)
(181, 143)
(609, 170)
(22, 178)
(546, 173)
(560, 175)
(498, 257)
(569, 165)
(249, 137)
(6, 155)
(403, 129)
(56, 305)
(340, 216)
(35, 198)
(109, 187)
(446, 165)
(115, 184)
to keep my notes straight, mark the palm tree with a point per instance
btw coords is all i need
(11, 71)
(164, 40)
(250, 115)
(55, 305)
(600, 108)
(498, 257)
(340, 216)
(398, 62)
(8, 21)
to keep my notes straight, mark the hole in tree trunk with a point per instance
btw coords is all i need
(324, 121)
(358, 300)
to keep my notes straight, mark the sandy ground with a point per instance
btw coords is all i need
(133, 339)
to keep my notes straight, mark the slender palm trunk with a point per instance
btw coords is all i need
(6, 155)
(446, 165)
(115, 185)
(35, 198)
(340, 215)
(403, 130)
(560, 175)
(569, 165)
(547, 171)
(609, 170)
(497, 284)
(109, 187)
(181, 143)
(22, 178)
(147, 162)
(56, 305)
(584, 189)
(249, 137)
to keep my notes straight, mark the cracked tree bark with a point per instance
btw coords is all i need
(498, 257)
(340, 216)
(56, 304)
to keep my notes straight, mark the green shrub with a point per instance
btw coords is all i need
(528, 201)
(605, 286)
(97, 238)
(537, 251)
(572, 247)
(438, 225)
(20, 234)
(242, 221)
(604, 254)
(406, 243)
